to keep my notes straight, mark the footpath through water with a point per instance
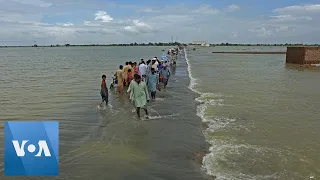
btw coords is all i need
(114, 144)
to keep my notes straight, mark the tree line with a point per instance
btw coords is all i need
(166, 44)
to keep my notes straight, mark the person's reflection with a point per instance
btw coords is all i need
(173, 70)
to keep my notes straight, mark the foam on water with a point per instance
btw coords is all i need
(102, 108)
(109, 107)
(158, 117)
(192, 80)
(219, 149)
(159, 99)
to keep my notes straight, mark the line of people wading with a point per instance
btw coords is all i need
(142, 80)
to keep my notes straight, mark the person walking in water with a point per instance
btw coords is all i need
(154, 64)
(104, 90)
(149, 66)
(136, 68)
(125, 71)
(160, 65)
(143, 68)
(129, 77)
(165, 74)
(139, 94)
(120, 78)
(141, 60)
(152, 83)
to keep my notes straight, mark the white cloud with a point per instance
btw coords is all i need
(22, 23)
(290, 18)
(140, 24)
(206, 9)
(299, 9)
(34, 3)
(233, 7)
(103, 16)
(282, 28)
(90, 23)
(68, 24)
(138, 27)
(262, 32)
(130, 29)
(149, 10)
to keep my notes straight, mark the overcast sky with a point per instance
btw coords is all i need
(102, 22)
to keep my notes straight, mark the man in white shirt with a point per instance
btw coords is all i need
(143, 70)
(157, 60)
(154, 64)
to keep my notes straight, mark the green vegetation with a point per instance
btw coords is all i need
(164, 44)
(286, 44)
(87, 45)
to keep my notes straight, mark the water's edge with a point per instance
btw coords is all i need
(196, 94)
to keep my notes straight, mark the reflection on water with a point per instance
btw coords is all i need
(299, 67)
(173, 70)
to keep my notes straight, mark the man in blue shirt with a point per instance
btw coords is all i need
(152, 83)
(165, 74)
(160, 66)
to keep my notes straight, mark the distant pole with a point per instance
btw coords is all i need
(176, 38)
(172, 39)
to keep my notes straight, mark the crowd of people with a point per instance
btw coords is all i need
(142, 80)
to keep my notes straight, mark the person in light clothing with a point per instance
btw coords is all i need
(165, 74)
(154, 64)
(120, 78)
(152, 83)
(139, 94)
(143, 68)
(125, 71)
(136, 68)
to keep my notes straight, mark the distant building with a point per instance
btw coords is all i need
(201, 43)
(303, 55)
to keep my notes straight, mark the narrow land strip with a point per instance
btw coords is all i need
(249, 52)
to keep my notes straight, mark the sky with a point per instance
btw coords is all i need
(106, 22)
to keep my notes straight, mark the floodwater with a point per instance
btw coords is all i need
(259, 116)
(262, 115)
(63, 84)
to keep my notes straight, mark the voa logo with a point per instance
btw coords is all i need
(42, 148)
(31, 148)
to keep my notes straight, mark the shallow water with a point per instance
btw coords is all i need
(262, 115)
(64, 84)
